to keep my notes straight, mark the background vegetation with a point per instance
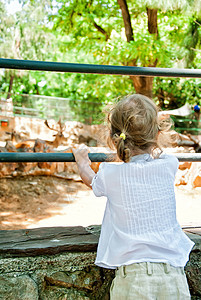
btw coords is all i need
(117, 32)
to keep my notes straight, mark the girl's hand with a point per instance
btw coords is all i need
(81, 154)
(83, 163)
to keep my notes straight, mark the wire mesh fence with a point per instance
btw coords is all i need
(47, 107)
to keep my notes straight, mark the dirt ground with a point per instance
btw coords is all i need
(40, 201)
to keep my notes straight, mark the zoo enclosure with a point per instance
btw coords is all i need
(47, 107)
(92, 69)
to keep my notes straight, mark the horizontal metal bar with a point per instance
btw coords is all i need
(48, 157)
(96, 69)
(69, 157)
(193, 157)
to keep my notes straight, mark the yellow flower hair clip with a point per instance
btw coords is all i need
(123, 136)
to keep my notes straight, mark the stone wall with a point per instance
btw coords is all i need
(58, 263)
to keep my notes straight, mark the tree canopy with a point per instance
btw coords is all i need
(130, 33)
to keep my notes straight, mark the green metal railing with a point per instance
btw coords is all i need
(69, 157)
(96, 69)
(187, 124)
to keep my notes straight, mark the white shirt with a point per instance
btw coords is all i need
(139, 223)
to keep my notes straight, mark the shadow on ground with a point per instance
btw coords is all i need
(27, 200)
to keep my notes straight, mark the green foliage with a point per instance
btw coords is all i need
(171, 93)
(93, 32)
(92, 92)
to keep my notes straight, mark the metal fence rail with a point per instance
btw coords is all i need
(96, 69)
(69, 157)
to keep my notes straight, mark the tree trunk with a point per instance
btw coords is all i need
(10, 86)
(127, 20)
(143, 85)
(152, 21)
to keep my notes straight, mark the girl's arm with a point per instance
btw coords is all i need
(83, 163)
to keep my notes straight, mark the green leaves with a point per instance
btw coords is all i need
(93, 32)
(171, 93)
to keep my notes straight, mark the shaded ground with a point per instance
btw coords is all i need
(39, 201)
(27, 200)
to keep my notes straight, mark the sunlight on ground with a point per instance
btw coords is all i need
(86, 209)
(188, 206)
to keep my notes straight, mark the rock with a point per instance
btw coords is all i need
(26, 167)
(10, 147)
(71, 168)
(18, 288)
(185, 165)
(60, 167)
(189, 174)
(182, 177)
(193, 268)
(197, 182)
(81, 284)
(7, 169)
(40, 146)
(55, 293)
(194, 174)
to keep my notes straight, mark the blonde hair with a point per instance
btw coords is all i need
(134, 126)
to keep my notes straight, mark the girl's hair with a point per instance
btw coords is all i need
(134, 126)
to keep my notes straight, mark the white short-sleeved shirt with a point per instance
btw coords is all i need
(140, 223)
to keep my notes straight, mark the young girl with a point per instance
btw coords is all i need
(140, 235)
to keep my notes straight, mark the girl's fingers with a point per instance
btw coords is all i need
(80, 147)
(81, 153)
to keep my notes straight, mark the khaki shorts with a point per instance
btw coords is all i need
(149, 281)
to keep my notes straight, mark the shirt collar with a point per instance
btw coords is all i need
(141, 157)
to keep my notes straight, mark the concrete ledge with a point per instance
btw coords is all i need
(58, 263)
(47, 240)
